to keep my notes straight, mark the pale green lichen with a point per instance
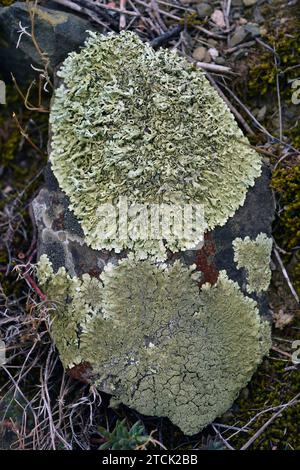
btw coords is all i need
(154, 341)
(254, 256)
(129, 121)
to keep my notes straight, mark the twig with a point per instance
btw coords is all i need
(31, 107)
(122, 22)
(238, 116)
(166, 37)
(267, 423)
(278, 100)
(26, 136)
(222, 438)
(239, 46)
(182, 20)
(47, 72)
(213, 67)
(157, 11)
(234, 428)
(279, 351)
(286, 276)
(85, 11)
(121, 10)
(226, 11)
(269, 48)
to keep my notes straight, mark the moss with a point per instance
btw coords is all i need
(129, 121)
(274, 384)
(154, 341)
(254, 256)
(286, 181)
(19, 167)
(262, 75)
(6, 3)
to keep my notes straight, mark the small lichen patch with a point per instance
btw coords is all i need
(129, 121)
(254, 256)
(156, 342)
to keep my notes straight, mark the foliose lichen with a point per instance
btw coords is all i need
(154, 341)
(254, 256)
(129, 121)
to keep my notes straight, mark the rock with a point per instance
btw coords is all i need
(60, 235)
(258, 17)
(236, 15)
(220, 61)
(249, 3)
(238, 36)
(212, 42)
(199, 53)
(57, 33)
(252, 29)
(204, 10)
(262, 113)
(213, 53)
(128, 351)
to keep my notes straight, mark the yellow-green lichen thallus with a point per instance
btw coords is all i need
(129, 121)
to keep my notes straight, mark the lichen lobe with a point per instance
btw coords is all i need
(254, 256)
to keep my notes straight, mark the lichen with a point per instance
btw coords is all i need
(129, 121)
(155, 341)
(254, 256)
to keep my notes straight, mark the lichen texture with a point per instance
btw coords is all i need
(154, 341)
(129, 121)
(254, 256)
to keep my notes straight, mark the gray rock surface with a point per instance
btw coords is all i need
(204, 10)
(61, 238)
(57, 33)
(238, 36)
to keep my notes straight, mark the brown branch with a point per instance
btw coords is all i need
(26, 136)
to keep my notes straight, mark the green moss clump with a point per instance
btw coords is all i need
(286, 181)
(129, 121)
(262, 68)
(254, 256)
(273, 385)
(154, 342)
(6, 3)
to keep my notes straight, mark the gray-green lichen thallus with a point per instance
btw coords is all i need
(129, 121)
(154, 342)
